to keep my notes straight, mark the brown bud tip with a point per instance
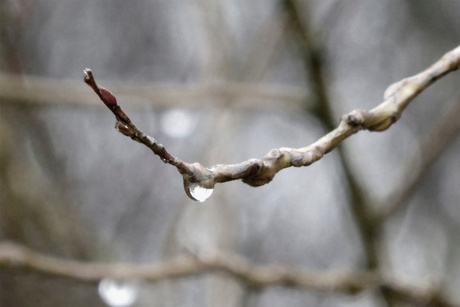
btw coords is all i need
(108, 98)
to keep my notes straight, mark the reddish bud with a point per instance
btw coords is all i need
(108, 98)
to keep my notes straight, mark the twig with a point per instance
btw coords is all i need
(15, 256)
(257, 172)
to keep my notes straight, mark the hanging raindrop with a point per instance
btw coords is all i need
(117, 293)
(198, 192)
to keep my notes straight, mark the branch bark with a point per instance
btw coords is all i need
(15, 256)
(257, 172)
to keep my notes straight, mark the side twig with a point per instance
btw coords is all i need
(15, 256)
(257, 172)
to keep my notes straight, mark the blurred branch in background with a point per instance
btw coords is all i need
(424, 154)
(314, 57)
(18, 257)
(45, 91)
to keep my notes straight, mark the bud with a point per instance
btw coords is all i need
(108, 98)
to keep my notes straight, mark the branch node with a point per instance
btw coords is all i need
(355, 118)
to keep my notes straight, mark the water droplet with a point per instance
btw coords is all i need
(198, 192)
(177, 123)
(117, 293)
(123, 129)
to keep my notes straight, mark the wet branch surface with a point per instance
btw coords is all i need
(257, 172)
(18, 257)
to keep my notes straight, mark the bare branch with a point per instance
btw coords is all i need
(19, 257)
(16, 256)
(256, 172)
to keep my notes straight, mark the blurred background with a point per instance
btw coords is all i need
(219, 82)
